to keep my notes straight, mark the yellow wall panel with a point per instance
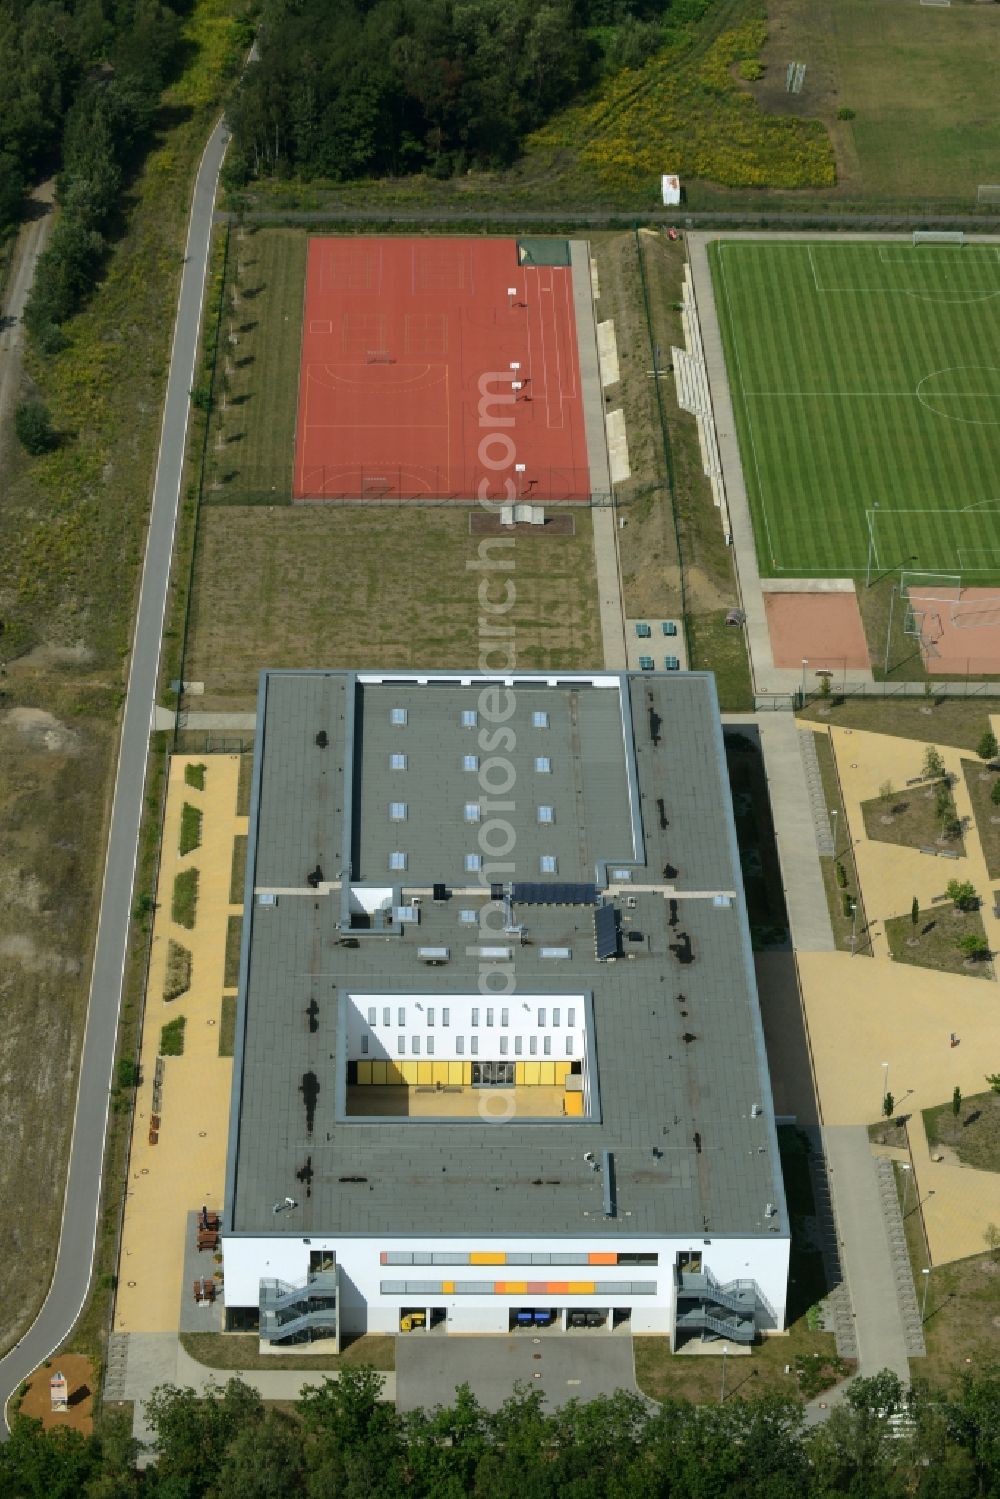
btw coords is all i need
(580, 1288)
(467, 1074)
(440, 1072)
(379, 1073)
(447, 1288)
(425, 1072)
(531, 1074)
(519, 1074)
(364, 1072)
(409, 1071)
(573, 1104)
(547, 1073)
(455, 1073)
(487, 1257)
(562, 1072)
(393, 1074)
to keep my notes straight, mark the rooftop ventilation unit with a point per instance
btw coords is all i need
(439, 893)
(434, 955)
(322, 739)
(755, 1111)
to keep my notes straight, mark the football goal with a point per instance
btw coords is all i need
(938, 237)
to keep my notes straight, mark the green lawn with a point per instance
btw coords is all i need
(973, 1133)
(252, 434)
(859, 380)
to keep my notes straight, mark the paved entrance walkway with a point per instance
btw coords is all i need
(149, 1360)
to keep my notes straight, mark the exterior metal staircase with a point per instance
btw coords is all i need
(702, 1301)
(299, 1312)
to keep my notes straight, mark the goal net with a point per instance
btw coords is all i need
(928, 600)
(938, 237)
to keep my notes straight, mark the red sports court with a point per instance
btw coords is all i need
(438, 369)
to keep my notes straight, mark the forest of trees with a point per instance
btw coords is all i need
(340, 1442)
(352, 88)
(80, 82)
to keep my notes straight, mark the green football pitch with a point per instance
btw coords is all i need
(866, 387)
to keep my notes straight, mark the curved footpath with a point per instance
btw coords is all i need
(74, 1262)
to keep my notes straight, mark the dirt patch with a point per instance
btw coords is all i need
(80, 1381)
(482, 523)
(824, 629)
(43, 729)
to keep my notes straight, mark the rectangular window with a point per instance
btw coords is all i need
(541, 1017)
(547, 1045)
(401, 1046)
(489, 1017)
(470, 762)
(539, 720)
(548, 864)
(467, 917)
(397, 717)
(446, 1017)
(469, 718)
(397, 762)
(475, 1016)
(505, 1017)
(533, 1045)
(430, 1046)
(387, 1016)
(402, 1016)
(397, 811)
(518, 1045)
(475, 1046)
(364, 1045)
(504, 1043)
(459, 1046)
(415, 1045)
(473, 863)
(546, 815)
(555, 1017)
(430, 1015)
(543, 764)
(571, 1016)
(372, 1012)
(473, 811)
(397, 859)
(569, 1046)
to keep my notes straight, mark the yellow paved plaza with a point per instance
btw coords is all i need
(186, 1168)
(865, 1011)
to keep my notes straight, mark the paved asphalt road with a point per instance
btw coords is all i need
(74, 1262)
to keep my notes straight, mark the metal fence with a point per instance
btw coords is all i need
(789, 702)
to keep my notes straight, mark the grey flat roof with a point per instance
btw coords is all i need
(679, 1044)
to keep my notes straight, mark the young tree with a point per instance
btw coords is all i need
(33, 426)
(993, 1078)
(995, 793)
(974, 947)
(987, 746)
(991, 1238)
(956, 1101)
(933, 763)
(962, 893)
(886, 792)
(888, 1104)
(915, 912)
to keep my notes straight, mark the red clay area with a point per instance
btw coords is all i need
(959, 630)
(411, 350)
(822, 628)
